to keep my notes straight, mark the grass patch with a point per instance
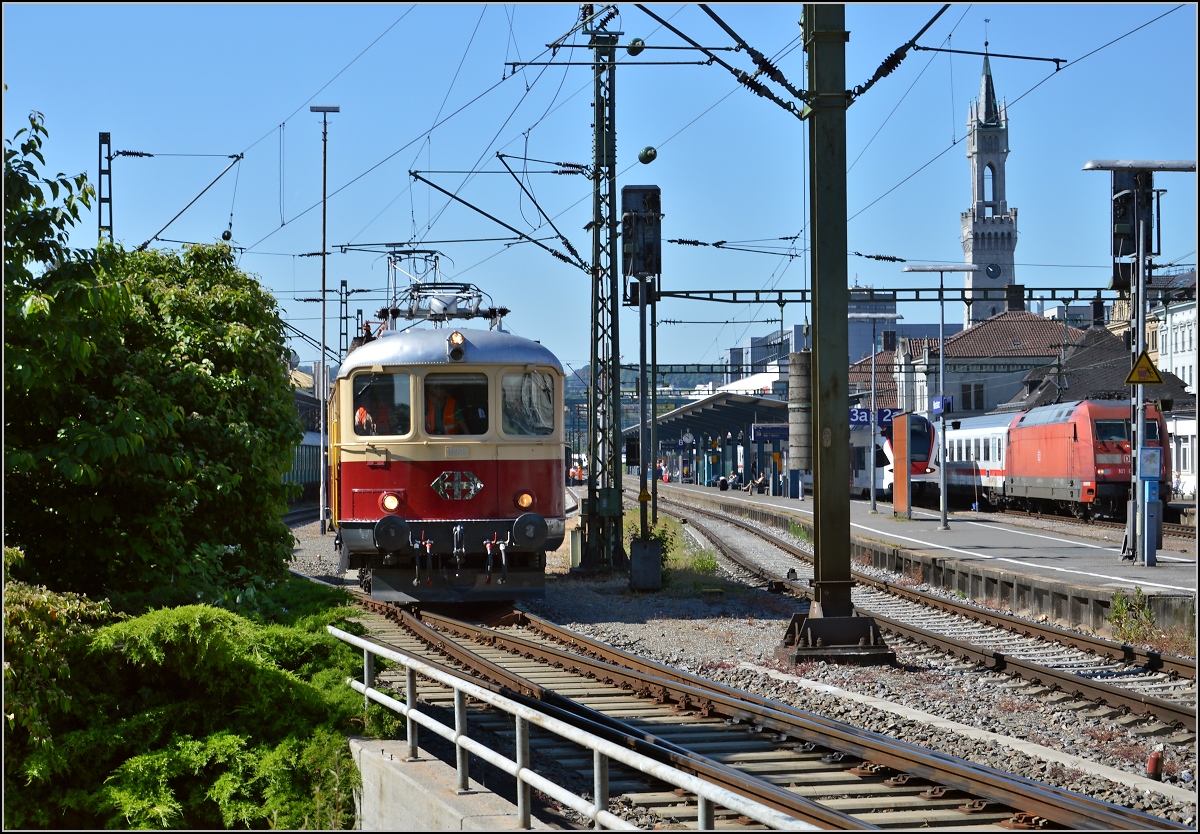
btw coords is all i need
(1133, 622)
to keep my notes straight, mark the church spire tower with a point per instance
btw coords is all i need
(989, 227)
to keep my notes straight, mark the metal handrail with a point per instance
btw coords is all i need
(709, 795)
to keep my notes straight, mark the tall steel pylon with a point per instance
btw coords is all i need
(603, 517)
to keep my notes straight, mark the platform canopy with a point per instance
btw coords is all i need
(715, 416)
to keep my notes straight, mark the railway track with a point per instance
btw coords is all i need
(1181, 531)
(1117, 679)
(813, 769)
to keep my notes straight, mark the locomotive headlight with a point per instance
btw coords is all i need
(524, 500)
(454, 346)
(391, 502)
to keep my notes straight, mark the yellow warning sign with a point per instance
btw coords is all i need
(644, 496)
(1144, 372)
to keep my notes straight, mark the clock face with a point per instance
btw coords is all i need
(993, 270)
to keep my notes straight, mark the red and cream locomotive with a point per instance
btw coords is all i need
(446, 464)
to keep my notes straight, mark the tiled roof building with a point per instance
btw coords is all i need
(984, 364)
(1095, 367)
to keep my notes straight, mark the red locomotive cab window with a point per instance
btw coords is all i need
(1151, 431)
(381, 404)
(456, 404)
(1112, 431)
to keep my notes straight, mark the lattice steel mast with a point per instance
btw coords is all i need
(603, 517)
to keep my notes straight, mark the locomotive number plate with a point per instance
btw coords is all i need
(458, 452)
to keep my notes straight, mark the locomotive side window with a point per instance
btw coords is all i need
(527, 403)
(1151, 431)
(381, 404)
(456, 404)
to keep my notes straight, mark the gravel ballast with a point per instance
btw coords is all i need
(729, 636)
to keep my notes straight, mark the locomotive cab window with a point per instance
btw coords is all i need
(527, 403)
(1151, 431)
(456, 404)
(1113, 431)
(381, 404)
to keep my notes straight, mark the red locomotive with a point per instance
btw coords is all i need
(1073, 456)
(446, 459)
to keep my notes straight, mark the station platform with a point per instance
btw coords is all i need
(1042, 570)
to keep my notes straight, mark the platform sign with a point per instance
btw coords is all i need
(768, 432)
(1150, 464)
(860, 418)
(1143, 372)
(883, 416)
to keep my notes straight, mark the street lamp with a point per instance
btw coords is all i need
(873, 317)
(1141, 544)
(324, 110)
(941, 270)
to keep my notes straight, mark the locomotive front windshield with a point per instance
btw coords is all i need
(456, 404)
(382, 404)
(920, 439)
(1112, 431)
(527, 403)
(1117, 431)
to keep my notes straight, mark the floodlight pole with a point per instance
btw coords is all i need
(941, 271)
(322, 384)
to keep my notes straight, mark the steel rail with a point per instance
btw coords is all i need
(1155, 661)
(1077, 685)
(522, 690)
(600, 661)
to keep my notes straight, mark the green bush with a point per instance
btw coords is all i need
(198, 717)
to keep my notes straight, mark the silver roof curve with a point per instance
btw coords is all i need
(428, 347)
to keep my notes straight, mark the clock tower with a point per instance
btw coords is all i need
(989, 227)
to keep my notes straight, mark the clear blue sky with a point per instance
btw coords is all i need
(429, 87)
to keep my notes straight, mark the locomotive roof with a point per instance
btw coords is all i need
(1057, 412)
(428, 347)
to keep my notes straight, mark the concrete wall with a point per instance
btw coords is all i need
(397, 795)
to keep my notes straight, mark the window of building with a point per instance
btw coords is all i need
(972, 396)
